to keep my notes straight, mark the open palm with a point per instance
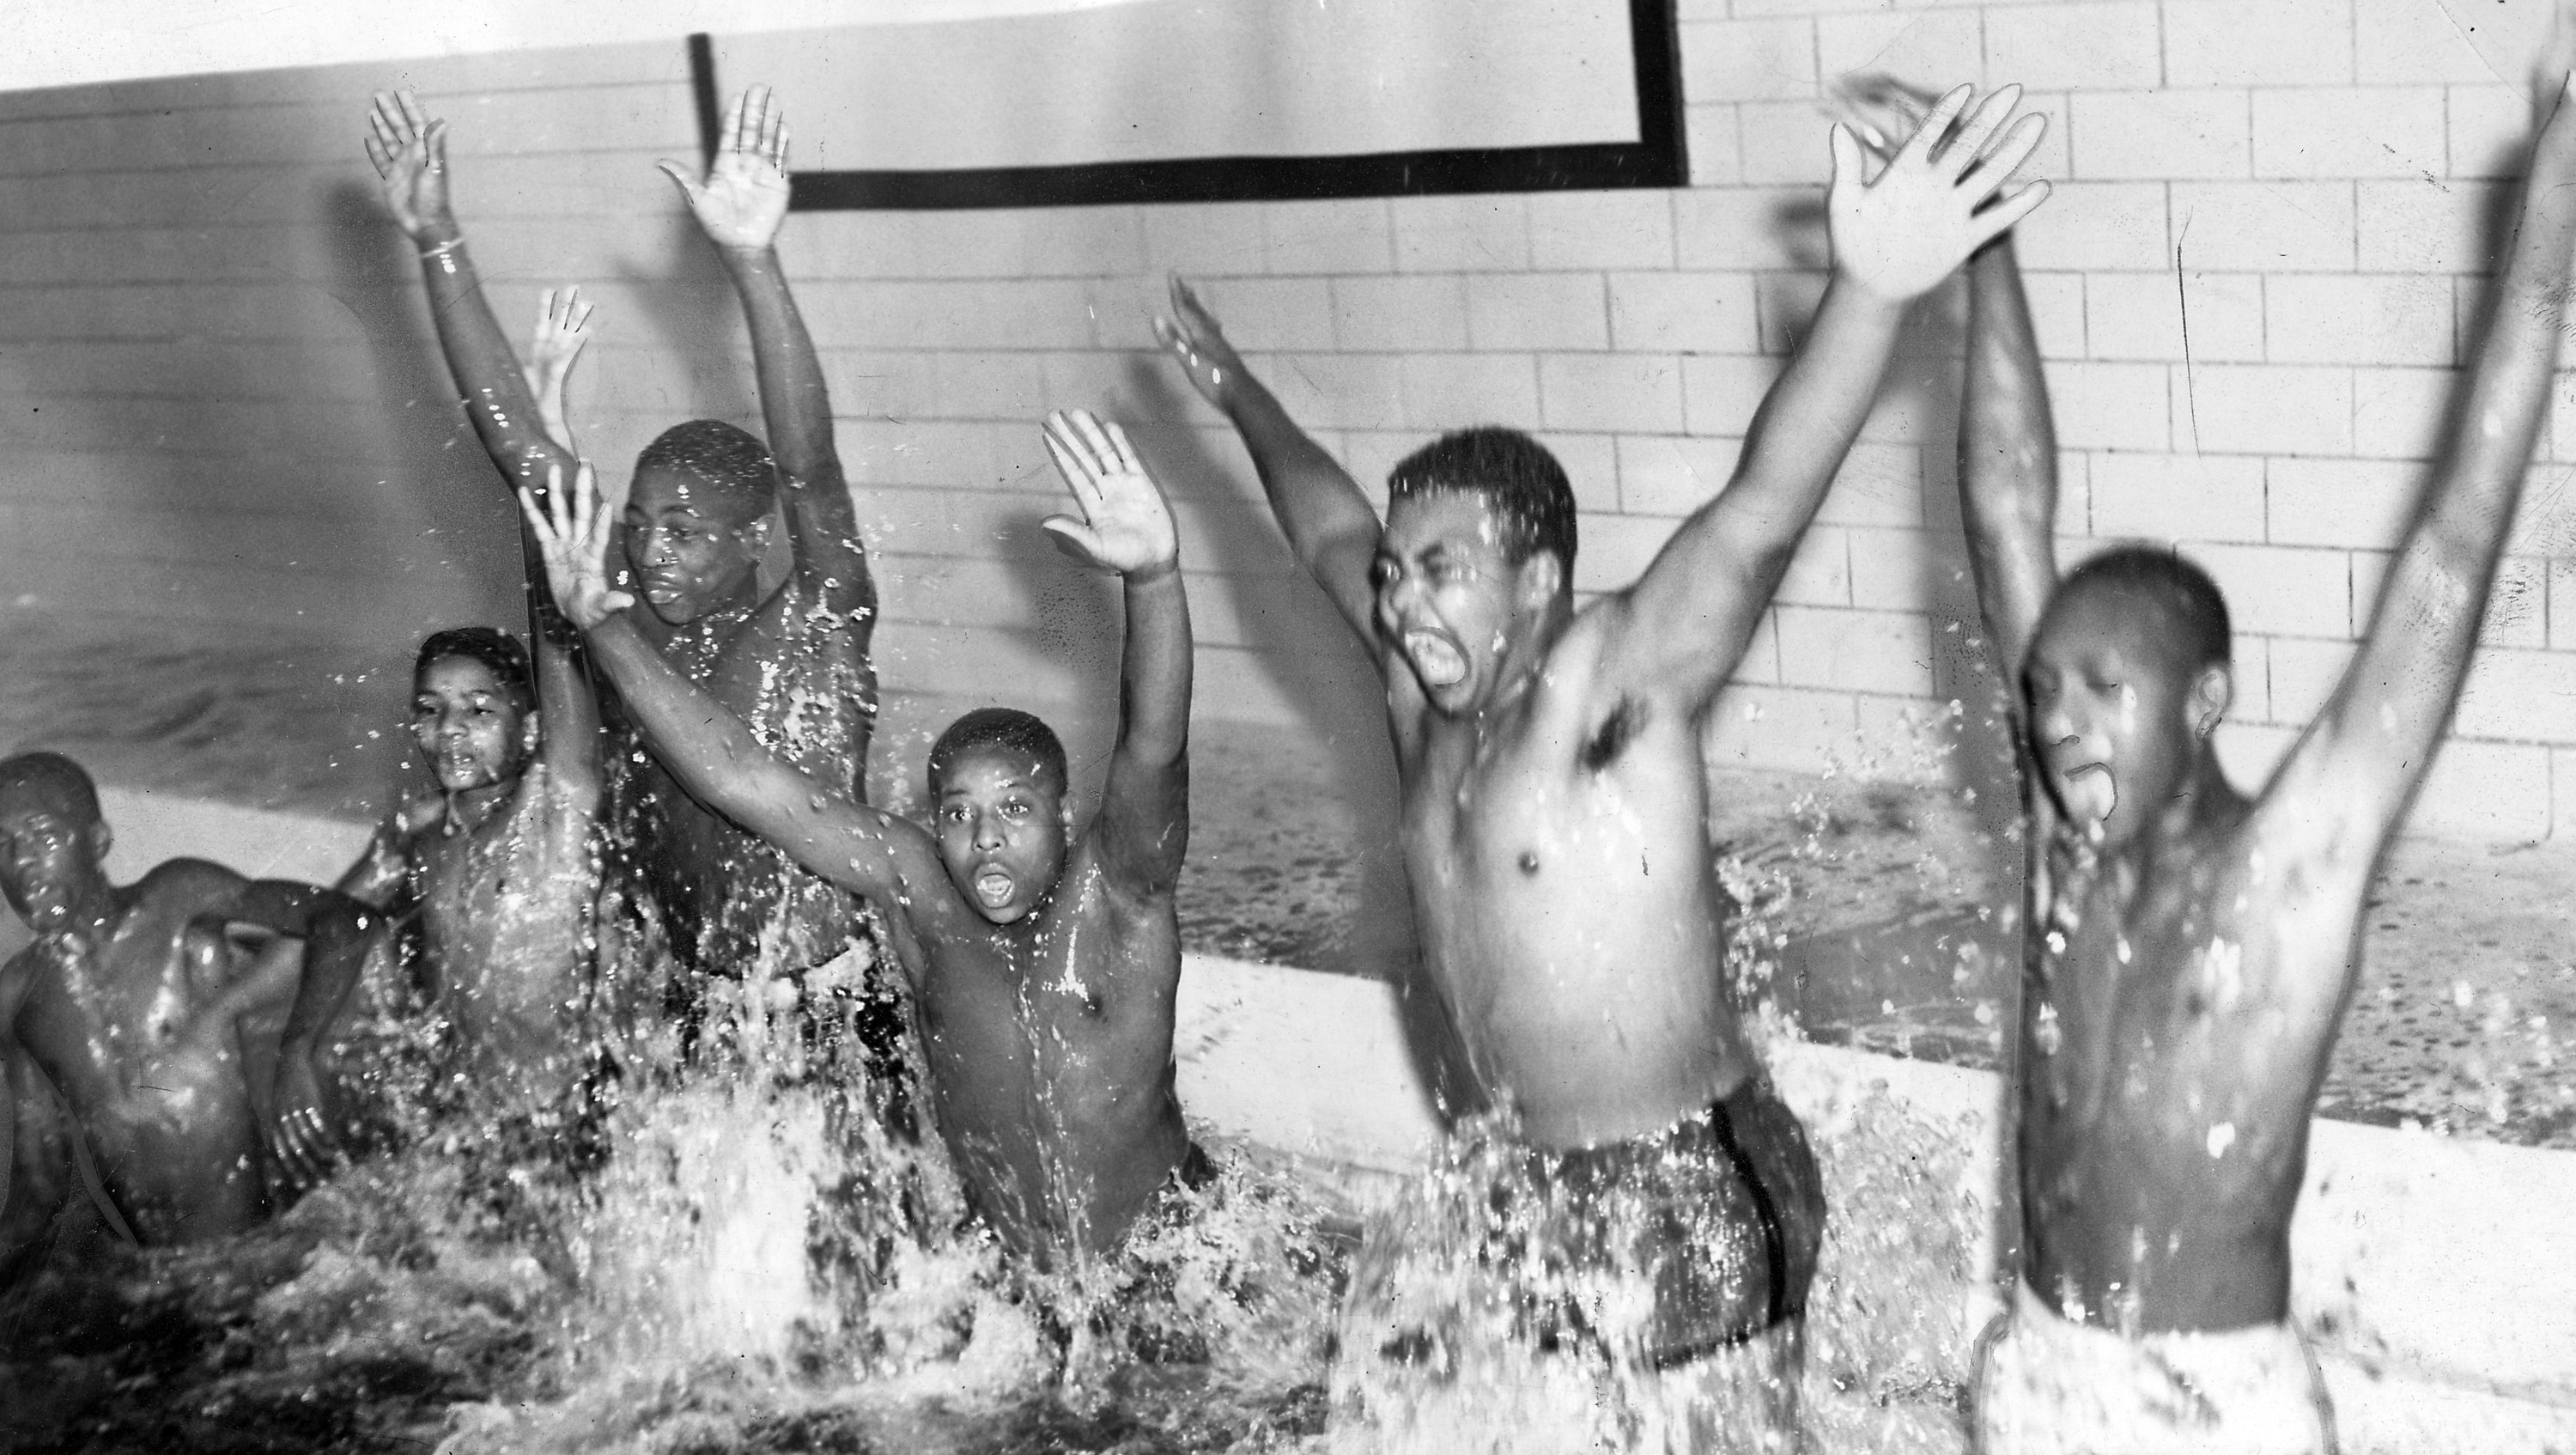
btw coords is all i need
(744, 197)
(1902, 232)
(572, 533)
(1125, 527)
(409, 151)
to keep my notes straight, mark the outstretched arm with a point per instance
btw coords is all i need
(1680, 631)
(1144, 822)
(700, 742)
(1331, 527)
(410, 153)
(741, 205)
(2351, 776)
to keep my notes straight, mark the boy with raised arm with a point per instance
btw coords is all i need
(792, 662)
(500, 866)
(1045, 961)
(133, 1000)
(1554, 813)
(2191, 949)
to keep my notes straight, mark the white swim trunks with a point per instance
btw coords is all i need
(2047, 1385)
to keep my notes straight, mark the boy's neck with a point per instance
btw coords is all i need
(2204, 800)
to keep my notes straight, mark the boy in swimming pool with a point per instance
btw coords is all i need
(1045, 960)
(136, 1004)
(791, 662)
(499, 866)
(1554, 814)
(2191, 949)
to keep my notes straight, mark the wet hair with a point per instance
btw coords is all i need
(1005, 728)
(497, 650)
(1519, 481)
(62, 783)
(729, 460)
(2190, 611)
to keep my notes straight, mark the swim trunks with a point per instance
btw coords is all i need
(2047, 1385)
(1719, 1217)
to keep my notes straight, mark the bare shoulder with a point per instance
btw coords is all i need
(179, 882)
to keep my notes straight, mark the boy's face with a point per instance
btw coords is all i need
(690, 545)
(48, 852)
(472, 731)
(1448, 600)
(1001, 830)
(2114, 720)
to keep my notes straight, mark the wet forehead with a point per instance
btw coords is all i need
(659, 493)
(983, 772)
(1448, 520)
(2103, 626)
(458, 677)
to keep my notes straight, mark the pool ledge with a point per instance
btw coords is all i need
(2433, 1274)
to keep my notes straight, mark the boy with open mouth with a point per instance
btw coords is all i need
(1045, 959)
(2190, 948)
(1554, 828)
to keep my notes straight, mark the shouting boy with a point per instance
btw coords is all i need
(1553, 823)
(136, 1004)
(791, 662)
(2191, 949)
(1045, 961)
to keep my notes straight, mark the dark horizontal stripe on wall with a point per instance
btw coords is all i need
(1657, 159)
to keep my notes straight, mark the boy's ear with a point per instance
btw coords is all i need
(101, 839)
(532, 730)
(1539, 579)
(755, 531)
(2211, 693)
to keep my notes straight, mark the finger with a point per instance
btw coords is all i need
(1073, 538)
(1983, 123)
(772, 119)
(2001, 217)
(687, 184)
(778, 148)
(581, 318)
(2015, 149)
(438, 146)
(1074, 428)
(1079, 476)
(377, 156)
(1919, 148)
(546, 308)
(731, 129)
(1128, 459)
(1849, 166)
(535, 515)
(1096, 440)
(386, 124)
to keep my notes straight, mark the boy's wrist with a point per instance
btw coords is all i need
(1158, 571)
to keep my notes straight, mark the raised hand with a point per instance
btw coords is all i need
(1191, 336)
(1880, 109)
(1904, 231)
(572, 532)
(1126, 527)
(744, 197)
(410, 153)
(563, 326)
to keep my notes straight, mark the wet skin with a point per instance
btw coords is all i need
(1045, 963)
(500, 867)
(1555, 835)
(792, 662)
(794, 669)
(2181, 992)
(2189, 951)
(1550, 758)
(138, 1007)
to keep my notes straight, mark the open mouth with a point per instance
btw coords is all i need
(993, 888)
(1435, 659)
(2090, 789)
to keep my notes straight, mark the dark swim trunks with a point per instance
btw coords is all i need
(1722, 1215)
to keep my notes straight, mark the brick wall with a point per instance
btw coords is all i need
(2253, 285)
